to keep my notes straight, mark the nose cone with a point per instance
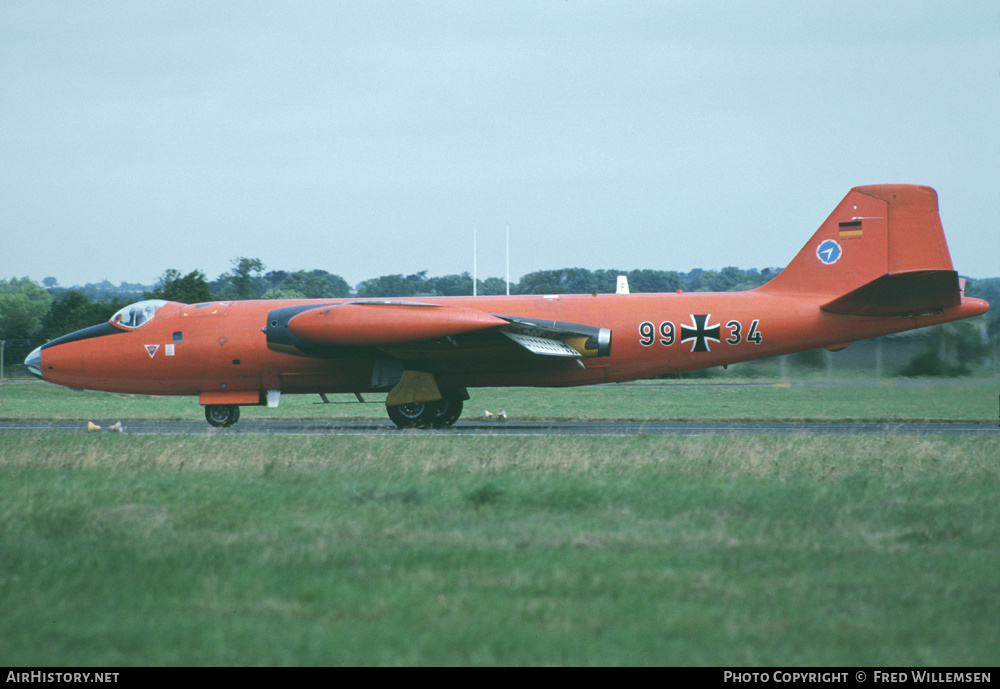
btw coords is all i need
(34, 363)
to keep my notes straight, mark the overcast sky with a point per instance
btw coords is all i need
(370, 138)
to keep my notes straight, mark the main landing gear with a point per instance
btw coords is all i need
(438, 414)
(222, 415)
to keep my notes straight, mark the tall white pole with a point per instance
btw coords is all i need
(508, 260)
(475, 265)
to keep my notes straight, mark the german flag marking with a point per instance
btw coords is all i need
(851, 229)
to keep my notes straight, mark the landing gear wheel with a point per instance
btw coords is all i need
(447, 412)
(411, 415)
(438, 414)
(222, 415)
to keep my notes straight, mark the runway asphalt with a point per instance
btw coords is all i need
(509, 428)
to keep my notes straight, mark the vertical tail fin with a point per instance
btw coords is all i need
(881, 252)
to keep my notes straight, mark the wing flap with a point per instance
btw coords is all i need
(556, 338)
(542, 346)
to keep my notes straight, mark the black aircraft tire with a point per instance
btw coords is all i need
(447, 412)
(438, 414)
(222, 415)
(407, 415)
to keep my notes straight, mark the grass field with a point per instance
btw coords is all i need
(894, 399)
(408, 549)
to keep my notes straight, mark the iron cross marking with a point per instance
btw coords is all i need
(700, 333)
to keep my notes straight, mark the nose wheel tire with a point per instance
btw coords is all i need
(222, 415)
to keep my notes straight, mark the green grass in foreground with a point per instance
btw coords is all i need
(414, 549)
(969, 399)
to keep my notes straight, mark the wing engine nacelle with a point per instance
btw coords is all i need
(309, 329)
(329, 330)
(377, 323)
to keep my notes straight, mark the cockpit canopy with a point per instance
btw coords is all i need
(137, 315)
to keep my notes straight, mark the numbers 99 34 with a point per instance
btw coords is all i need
(701, 332)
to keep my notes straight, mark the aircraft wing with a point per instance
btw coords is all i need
(415, 330)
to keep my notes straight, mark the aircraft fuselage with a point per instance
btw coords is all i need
(222, 347)
(879, 264)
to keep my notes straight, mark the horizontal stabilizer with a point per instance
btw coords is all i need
(901, 294)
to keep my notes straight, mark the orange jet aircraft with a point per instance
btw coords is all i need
(878, 265)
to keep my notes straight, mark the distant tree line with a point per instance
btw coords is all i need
(248, 280)
(31, 313)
